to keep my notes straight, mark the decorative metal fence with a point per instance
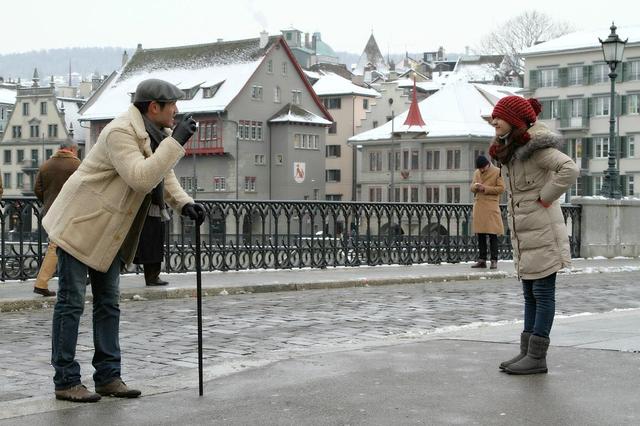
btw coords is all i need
(287, 234)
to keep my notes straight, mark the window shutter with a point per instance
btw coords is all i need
(563, 76)
(564, 112)
(623, 107)
(546, 110)
(623, 147)
(586, 112)
(587, 185)
(626, 67)
(586, 75)
(618, 104)
(621, 72)
(587, 151)
(533, 79)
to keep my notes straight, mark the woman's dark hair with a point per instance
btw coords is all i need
(503, 150)
(143, 107)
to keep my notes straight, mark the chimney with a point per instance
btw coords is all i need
(125, 58)
(306, 41)
(466, 50)
(219, 40)
(139, 48)
(314, 41)
(264, 39)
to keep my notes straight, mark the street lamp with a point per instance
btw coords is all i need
(392, 198)
(612, 50)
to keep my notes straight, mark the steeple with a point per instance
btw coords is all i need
(414, 118)
(36, 78)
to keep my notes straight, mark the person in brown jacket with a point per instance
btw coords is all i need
(487, 186)
(51, 176)
(537, 173)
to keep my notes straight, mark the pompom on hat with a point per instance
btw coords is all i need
(517, 111)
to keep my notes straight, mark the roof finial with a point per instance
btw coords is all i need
(414, 118)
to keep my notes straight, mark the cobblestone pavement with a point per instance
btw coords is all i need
(158, 338)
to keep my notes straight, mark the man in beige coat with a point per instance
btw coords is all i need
(487, 186)
(95, 222)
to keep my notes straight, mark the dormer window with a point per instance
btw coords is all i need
(209, 92)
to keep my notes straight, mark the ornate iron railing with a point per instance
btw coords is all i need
(287, 234)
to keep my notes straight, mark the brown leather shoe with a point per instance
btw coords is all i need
(119, 389)
(494, 264)
(77, 393)
(44, 291)
(479, 264)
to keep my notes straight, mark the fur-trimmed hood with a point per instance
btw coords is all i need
(541, 137)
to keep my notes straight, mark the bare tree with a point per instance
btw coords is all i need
(518, 33)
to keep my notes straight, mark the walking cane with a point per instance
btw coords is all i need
(199, 298)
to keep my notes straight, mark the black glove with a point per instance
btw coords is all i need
(184, 129)
(194, 211)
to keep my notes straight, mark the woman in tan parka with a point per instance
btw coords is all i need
(537, 174)
(487, 186)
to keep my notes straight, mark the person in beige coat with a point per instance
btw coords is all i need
(96, 220)
(487, 186)
(537, 174)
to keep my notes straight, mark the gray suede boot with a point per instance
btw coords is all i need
(524, 347)
(536, 360)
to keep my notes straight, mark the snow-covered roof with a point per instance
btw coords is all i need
(333, 84)
(425, 86)
(72, 117)
(205, 65)
(291, 113)
(583, 40)
(371, 56)
(7, 96)
(454, 110)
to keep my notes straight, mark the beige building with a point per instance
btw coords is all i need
(570, 78)
(39, 122)
(349, 105)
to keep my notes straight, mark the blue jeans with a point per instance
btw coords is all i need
(72, 278)
(539, 305)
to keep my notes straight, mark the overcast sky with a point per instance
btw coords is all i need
(409, 25)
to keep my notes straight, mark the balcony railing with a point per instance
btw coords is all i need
(287, 234)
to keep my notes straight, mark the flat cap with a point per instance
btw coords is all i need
(157, 90)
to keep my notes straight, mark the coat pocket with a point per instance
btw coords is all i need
(83, 232)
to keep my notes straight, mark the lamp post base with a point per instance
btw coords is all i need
(611, 185)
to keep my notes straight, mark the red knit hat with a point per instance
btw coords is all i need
(517, 111)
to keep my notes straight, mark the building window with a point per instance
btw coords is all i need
(365, 104)
(600, 73)
(296, 97)
(333, 197)
(207, 133)
(249, 184)
(34, 131)
(630, 186)
(631, 146)
(332, 175)
(332, 103)
(575, 75)
(333, 150)
(375, 161)
(259, 159)
(549, 78)
(20, 180)
(43, 108)
(634, 70)
(432, 194)
(6, 180)
(601, 147)
(20, 157)
(219, 183)
(390, 163)
(375, 194)
(375, 124)
(333, 129)
(52, 130)
(415, 159)
(576, 107)
(48, 153)
(270, 66)
(25, 109)
(453, 159)
(256, 93)
(453, 194)
(597, 184)
(433, 160)
(549, 109)
(279, 159)
(601, 105)
(16, 132)
(250, 130)
(285, 68)
(633, 104)
(306, 141)
(414, 194)
(276, 94)
(405, 159)
(7, 156)
(189, 184)
(572, 148)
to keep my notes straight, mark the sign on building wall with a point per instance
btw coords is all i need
(299, 172)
